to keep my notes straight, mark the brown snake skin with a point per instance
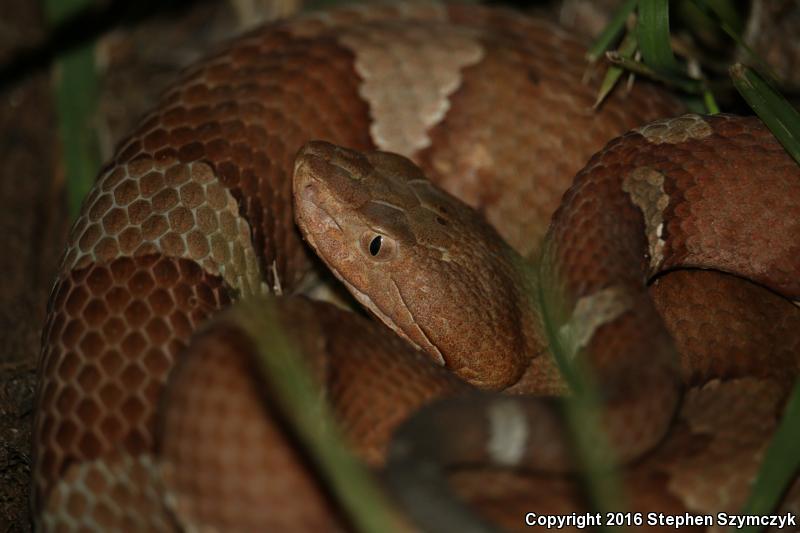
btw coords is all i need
(195, 211)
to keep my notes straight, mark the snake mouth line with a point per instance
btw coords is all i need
(374, 308)
(439, 356)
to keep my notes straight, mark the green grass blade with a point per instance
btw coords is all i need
(76, 92)
(583, 410)
(654, 37)
(626, 49)
(713, 13)
(781, 463)
(281, 367)
(729, 13)
(781, 118)
(687, 85)
(710, 103)
(782, 459)
(611, 31)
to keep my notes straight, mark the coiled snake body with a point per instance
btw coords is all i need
(196, 210)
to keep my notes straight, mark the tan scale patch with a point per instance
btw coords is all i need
(676, 130)
(108, 495)
(590, 313)
(645, 186)
(409, 73)
(183, 211)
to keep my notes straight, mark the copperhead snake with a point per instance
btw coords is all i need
(670, 268)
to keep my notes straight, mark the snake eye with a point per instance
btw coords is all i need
(377, 246)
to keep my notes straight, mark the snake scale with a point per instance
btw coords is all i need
(671, 269)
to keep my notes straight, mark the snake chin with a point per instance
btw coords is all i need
(369, 304)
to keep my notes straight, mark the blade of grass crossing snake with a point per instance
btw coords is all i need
(279, 363)
(781, 118)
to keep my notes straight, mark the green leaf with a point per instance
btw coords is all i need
(75, 93)
(777, 113)
(722, 12)
(723, 20)
(654, 37)
(681, 83)
(583, 411)
(611, 31)
(710, 102)
(614, 72)
(288, 379)
(781, 463)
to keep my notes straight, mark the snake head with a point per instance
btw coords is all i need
(419, 259)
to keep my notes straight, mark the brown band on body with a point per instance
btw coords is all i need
(114, 332)
(234, 128)
(229, 461)
(716, 218)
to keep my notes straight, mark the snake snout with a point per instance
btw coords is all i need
(321, 149)
(310, 154)
(311, 167)
(351, 163)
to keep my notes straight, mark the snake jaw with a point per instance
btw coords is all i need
(429, 346)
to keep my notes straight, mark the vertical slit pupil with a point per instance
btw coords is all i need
(375, 245)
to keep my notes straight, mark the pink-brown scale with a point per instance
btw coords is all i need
(228, 460)
(111, 340)
(506, 168)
